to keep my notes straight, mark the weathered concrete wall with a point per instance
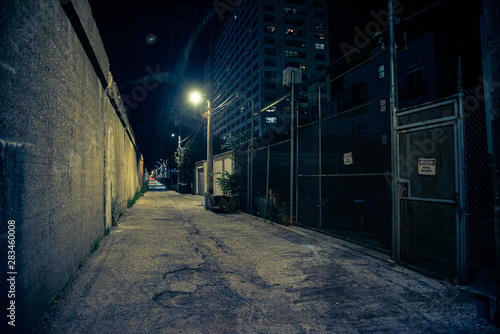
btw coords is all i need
(66, 148)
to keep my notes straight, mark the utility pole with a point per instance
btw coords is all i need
(210, 134)
(394, 162)
(180, 175)
(210, 159)
(491, 10)
(179, 148)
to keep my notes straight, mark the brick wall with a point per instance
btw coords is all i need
(66, 147)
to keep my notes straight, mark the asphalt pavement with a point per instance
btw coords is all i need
(172, 267)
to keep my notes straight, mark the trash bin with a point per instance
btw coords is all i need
(182, 188)
(228, 204)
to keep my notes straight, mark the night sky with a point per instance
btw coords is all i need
(145, 42)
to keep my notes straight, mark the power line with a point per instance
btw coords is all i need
(423, 10)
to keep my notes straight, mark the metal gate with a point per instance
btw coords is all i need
(430, 219)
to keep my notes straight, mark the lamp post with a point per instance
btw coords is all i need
(210, 159)
(196, 98)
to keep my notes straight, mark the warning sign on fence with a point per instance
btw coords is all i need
(348, 158)
(426, 166)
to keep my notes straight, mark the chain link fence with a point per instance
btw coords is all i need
(354, 199)
(266, 176)
(480, 225)
(350, 198)
(342, 185)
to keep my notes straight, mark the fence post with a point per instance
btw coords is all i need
(251, 162)
(320, 222)
(462, 180)
(394, 163)
(248, 180)
(297, 169)
(292, 148)
(267, 179)
(491, 11)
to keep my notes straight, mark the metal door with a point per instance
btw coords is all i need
(430, 179)
(201, 182)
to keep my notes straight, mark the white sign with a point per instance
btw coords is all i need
(426, 166)
(348, 158)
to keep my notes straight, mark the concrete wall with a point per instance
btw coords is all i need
(66, 148)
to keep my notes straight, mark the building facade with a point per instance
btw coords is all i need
(258, 41)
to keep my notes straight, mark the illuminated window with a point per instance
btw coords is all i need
(295, 32)
(289, 10)
(319, 46)
(319, 35)
(381, 71)
(270, 120)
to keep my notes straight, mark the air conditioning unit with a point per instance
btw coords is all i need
(287, 76)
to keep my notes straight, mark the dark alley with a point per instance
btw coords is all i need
(172, 267)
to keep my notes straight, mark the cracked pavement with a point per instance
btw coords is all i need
(172, 267)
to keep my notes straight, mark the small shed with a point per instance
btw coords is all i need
(222, 163)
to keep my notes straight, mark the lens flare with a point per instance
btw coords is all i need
(151, 39)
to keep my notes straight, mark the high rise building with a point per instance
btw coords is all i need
(259, 39)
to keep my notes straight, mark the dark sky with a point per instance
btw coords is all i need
(150, 36)
(145, 42)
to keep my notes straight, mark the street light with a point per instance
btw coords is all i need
(196, 98)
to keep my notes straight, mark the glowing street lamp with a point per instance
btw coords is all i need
(196, 98)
